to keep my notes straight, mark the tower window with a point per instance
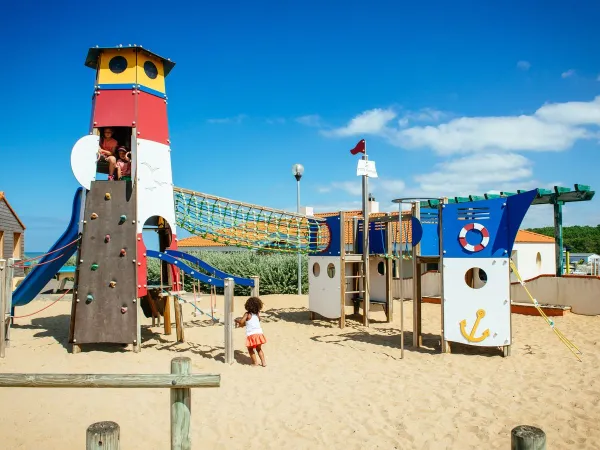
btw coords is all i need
(150, 69)
(117, 64)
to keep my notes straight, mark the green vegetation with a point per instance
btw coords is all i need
(278, 272)
(578, 239)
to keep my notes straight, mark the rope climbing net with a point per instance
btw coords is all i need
(234, 223)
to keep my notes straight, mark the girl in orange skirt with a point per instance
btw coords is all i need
(254, 333)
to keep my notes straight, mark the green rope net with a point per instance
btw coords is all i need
(238, 224)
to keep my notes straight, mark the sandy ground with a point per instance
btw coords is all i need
(322, 388)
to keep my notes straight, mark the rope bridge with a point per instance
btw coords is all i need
(248, 226)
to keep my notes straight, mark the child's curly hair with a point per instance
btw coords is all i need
(253, 305)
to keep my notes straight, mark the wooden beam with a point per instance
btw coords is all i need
(82, 380)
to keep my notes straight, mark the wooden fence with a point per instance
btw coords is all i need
(105, 435)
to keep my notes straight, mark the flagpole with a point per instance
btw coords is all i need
(366, 284)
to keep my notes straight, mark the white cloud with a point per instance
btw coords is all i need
(369, 122)
(553, 127)
(311, 120)
(394, 187)
(598, 78)
(276, 121)
(568, 73)
(235, 119)
(524, 65)
(422, 115)
(351, 187)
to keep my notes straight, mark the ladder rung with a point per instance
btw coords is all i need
(354, 276)
(355, 292)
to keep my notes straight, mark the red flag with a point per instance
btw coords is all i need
(360, 147)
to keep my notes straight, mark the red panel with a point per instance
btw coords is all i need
(177, 284)
(152, 121)
(114, 108)
(142, 267)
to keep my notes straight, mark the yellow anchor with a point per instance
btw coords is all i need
(471, 336)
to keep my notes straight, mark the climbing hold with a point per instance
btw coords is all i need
(123, 252)
(94, 216)
(107, 238)
(112, 284)
(123, 218)
(107, 196)
(90, 298)
(123, 309)
(94, 266)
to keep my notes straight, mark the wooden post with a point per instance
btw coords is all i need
(442, 204)
(255, 291)
(389, 266)
(342, 270)
(229, 286)
(416, 252)
(558, 237)
(181, 407)
(103, 436)
(525, 437)
(178, 320)
(2, 306)
(167, 315)
(6, 311)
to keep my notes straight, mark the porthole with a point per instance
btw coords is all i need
(331, 270)
(150, 70)
(476, 278)
(381, 268)
(118, 64)
(316, 269)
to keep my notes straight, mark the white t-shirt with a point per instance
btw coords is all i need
(253, 326)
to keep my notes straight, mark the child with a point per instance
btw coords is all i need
(123, 164)
(107, 150)
(254, 333)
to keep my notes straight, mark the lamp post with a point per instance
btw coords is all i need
(297, 171)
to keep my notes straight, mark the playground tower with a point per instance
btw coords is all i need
(130, 98)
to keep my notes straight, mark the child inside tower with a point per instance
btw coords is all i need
(123, 164)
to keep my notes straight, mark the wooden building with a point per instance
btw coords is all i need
(12, 234)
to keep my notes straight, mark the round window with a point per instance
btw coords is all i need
(118, 64)
(316, 269)
(476, 278)
(331, 270)
(150, 69)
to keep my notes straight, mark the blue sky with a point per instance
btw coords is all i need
(452, 98)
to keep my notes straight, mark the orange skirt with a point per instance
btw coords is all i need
(255, 340)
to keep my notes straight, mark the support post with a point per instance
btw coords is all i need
(558, 237)
(365, 252)
(229, 286)
(2, 306)
(255, 290)
(178, 320)
(389, 267)
(342, 271)
(181, 407)
(103, 436)
(299, 253)
(525, 437)
(416, 252)
(401, 280)
(6, 311)
(167, 315)
(441, 206)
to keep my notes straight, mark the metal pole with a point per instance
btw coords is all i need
(299, 254)
(558, 237)
(3, 283)
(366, 284)
(229, 289)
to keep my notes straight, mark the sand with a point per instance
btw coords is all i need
(322, 388)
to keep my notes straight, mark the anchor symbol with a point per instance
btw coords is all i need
(471, 336)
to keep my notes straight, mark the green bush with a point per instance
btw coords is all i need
(278, 272)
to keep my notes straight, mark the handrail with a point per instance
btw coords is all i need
(213, 270)
(187, 269)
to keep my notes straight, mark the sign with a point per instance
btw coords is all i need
(366, 168)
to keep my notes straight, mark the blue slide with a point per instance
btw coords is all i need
(41, 274)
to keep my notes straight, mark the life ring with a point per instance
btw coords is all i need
(462, 237)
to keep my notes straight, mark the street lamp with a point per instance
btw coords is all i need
(297, 171)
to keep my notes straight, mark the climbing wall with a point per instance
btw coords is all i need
(105, 308)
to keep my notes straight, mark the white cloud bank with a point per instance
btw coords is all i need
(553, 127)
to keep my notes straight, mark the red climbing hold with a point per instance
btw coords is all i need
(123, 252)
(123, 309)
(107, 238)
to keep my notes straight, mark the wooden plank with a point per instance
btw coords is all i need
(167, 315)
(181, 407)
(56, 380)
(103, 436)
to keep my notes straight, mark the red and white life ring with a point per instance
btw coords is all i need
(462, 237)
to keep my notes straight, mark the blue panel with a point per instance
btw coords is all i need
(430, 243)
(494, 215)
(376, 238)
(210, 269)
(115, 87)
(517, 205)
(191, 272)
(333, 249)
(151, 91)
(416, 231)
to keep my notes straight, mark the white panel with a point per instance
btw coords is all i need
(155, 183)
(462, 302)
(84, 157)
(377, 280)
(323, 291)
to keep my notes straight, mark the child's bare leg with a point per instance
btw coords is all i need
(112, 164)
(261, 355)
(252, 355)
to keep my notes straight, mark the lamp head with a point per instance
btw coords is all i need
(297, 171)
